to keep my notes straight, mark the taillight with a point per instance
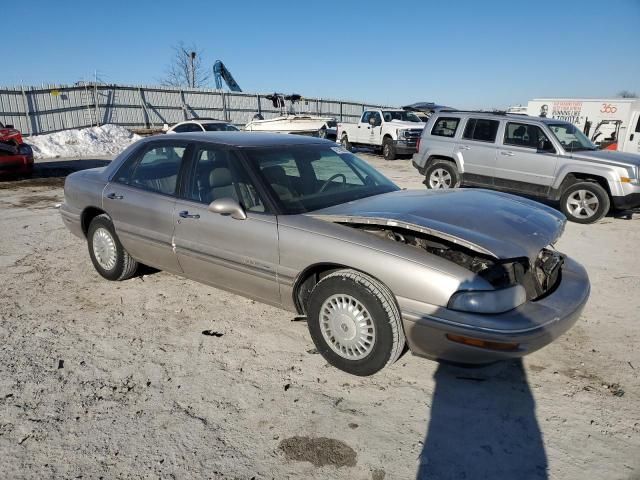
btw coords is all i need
(418, 144)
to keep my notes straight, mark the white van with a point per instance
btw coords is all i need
(610, 123)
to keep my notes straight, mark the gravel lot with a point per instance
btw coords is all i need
(161, 377)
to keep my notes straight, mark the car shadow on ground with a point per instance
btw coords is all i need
(50, 173)
(483, 426)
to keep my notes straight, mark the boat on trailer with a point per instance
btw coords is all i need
(289, 121)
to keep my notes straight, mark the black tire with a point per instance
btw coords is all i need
(124, 266)
(346, 144)
(389, 339)
(388, 149)
(592, 191)
(437, 167)
(24, 149)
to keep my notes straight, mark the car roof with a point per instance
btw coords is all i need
(248, 139)
(498, 115)
(202, 120)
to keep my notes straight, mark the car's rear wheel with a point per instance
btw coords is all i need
(107, 254)
(585, 202)
(442, 175)
(355, 323)
(388, 149)
(346, 144)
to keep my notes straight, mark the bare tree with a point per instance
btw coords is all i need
(627, 94)
(186, 68)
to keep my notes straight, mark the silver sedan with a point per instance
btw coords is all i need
(463, 275)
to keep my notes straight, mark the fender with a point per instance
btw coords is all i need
(583, 168)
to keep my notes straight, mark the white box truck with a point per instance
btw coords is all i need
(610, 123)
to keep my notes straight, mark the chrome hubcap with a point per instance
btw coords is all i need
(440, 178)
(582, 204)
(347, 327)
(104, 248)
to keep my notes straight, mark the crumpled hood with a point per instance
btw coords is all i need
(608, 156)
(497, 224)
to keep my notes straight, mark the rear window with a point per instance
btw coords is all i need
(481, 129)
(445, 127)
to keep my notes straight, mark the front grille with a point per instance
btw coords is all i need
(414, 134)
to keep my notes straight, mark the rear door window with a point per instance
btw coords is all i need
(445, 127)
(481, 129)
(187, 127)
(155, 168)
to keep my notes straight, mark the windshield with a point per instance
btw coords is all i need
(311, 177)
(400, 115)
(570, 137)
(219, 127)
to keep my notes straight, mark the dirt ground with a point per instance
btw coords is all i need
(161, 377)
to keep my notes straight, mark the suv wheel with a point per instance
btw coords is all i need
(442, 175)
(388, 149)
(346, 144)
(585, 202)
(355, 323)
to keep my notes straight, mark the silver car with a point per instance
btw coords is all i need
(542, 157)
(467, 276)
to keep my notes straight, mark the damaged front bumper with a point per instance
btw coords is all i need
(525, 329)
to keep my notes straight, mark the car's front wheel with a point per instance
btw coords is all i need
(388, 149)
(585, 202)
(107, 254)
(355, 323)
(442, 175)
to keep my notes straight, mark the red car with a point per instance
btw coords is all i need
(15, 155)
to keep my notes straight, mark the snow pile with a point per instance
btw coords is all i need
(99, 141)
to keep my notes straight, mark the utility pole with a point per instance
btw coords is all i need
(193, 70)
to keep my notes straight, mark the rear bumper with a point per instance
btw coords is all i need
(417, 167)
(627, 202)
(532, 325)
(72, 220)
(16, 163)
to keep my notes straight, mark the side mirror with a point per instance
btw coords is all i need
(228, 206)
(372, 121)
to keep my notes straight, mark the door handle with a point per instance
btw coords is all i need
(115, 196)
(464, 147)
(507, 154)
(186, 214)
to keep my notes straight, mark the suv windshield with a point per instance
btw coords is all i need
(312, 177)
(219, 127)
(570, 137)
(400, 115)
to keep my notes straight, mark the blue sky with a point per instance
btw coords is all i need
(462, 53)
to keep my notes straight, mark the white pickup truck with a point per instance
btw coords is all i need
(394, 132)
